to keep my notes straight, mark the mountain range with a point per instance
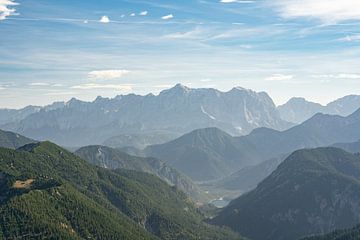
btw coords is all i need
(175, 111)
(297, 110)
(314, 191)
(210, 154)
(48, 192)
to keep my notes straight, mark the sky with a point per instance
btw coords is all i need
(53, 50)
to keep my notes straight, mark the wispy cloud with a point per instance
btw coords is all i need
(339, 76)
(167, 17)
(44, 84)
(60, 93)
(107, 74)
(350, 38)
(92, 86)
(7, 8)
(236, 1)
(279, 77)
(104, 19)
(327, 11)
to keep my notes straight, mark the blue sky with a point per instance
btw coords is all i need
(52, 50)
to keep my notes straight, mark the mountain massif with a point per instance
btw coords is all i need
(297, 110)
(174, 111)
(313, 191)
(49, 193)
(205, 154)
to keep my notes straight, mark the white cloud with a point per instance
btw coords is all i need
(104, 19)
(107, 74)
(132, 15)
(143, 13)
(236, 1)
(2, 88)
(6, 8)
(339, 76)
(167, 17)
(279, 77)
(350, 38)
(327, 11)
(91, 86)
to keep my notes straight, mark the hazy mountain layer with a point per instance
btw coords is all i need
(13, 140)
(353, 147)
(139, 141)
(297, 110)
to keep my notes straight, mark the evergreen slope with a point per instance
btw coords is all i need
(115, 159)
(346, 234)
(47, 192)
(312, 192)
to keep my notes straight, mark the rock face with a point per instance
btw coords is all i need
(177, 111)
(297, 110)
(312, 192)
(115, 159)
